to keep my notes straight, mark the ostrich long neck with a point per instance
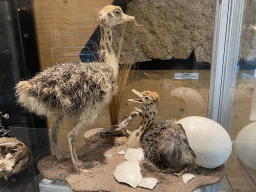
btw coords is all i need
(107, 53)
(148, 114)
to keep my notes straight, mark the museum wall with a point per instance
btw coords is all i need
(63, 28)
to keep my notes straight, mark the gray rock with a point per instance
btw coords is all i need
(171, 29)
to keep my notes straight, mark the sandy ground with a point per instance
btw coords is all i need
(101, 178)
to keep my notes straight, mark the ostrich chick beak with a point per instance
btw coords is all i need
(140, 101)
(131, 18)
(128, 18)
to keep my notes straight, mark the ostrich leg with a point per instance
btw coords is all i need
(53, 139)
(78, 165)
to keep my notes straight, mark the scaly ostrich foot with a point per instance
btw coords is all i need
(79, 166)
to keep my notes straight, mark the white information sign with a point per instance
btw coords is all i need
(182, 76)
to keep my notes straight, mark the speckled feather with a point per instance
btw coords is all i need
(67, 88)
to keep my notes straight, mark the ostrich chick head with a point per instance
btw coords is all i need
(147, 98)
(113, 15)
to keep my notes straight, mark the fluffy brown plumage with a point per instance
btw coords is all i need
(164, 144)
(77, 89)
(68, 89)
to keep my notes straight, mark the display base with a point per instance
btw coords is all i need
(102, 159)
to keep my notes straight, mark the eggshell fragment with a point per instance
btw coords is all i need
(148, 183)
(121, 152)
(134, 154)
(128, 172)
(187, 177)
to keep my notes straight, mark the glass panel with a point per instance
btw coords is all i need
(169, 49)
(172, 59)
(9, 75)
(242, 164)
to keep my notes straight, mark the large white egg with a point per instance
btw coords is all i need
(209, 141)
(245, 145)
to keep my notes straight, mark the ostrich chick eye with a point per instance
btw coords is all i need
(146, 97)
(117, 12)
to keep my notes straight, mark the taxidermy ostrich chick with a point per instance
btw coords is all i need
(79, 90)
(164, 144)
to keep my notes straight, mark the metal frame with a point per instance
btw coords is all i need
(228, 22)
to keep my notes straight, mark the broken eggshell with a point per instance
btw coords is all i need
(128, 172)
(148, 183)
(14, 156)
(187, 177)
(121, 152)
(134, 154)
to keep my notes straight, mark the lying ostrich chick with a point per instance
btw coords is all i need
(79, 90)
(164, 144)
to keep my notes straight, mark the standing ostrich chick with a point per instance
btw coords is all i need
(164, 144)
(79, 90)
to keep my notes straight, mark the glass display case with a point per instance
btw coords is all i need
(198, 56)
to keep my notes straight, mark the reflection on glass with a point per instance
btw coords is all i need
(193, 99)
(243, 124)
(245, 145)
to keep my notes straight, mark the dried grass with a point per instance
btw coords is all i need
(123, 74)
(115, 104)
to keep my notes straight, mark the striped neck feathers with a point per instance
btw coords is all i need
(148, 113)
(107, 53)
